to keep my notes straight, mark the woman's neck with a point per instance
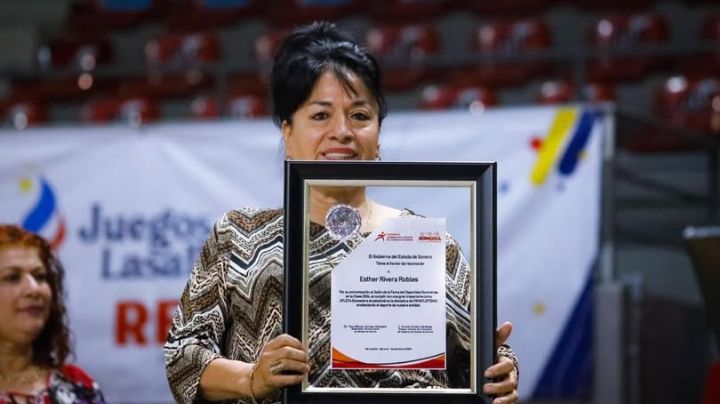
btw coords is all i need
(15, 357)
(18, 373)
(323, 198)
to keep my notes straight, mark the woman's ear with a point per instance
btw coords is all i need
(286, 130)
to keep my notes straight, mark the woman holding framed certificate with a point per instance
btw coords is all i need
(226, 340)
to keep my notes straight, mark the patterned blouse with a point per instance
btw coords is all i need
(233, 304)
(67, 385)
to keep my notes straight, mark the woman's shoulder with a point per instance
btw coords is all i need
(74, 384)
(405, 212)
(76, 374)
(250, 220)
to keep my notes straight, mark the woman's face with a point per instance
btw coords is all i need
(334, 123)
(25, 294)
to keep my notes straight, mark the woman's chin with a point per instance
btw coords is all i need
(28, 332)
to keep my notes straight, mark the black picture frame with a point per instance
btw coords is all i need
(480, 177)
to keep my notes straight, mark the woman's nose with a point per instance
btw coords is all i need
(343, 131)
(31, 283)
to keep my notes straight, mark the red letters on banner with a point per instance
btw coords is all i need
(135, 322)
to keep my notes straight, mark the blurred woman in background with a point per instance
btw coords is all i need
(34, 336)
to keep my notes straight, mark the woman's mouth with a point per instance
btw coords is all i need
(34, 310)
(339, 154)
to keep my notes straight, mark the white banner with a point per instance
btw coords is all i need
(129, 210)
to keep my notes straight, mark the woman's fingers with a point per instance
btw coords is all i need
(284, 340)
(283, 362)
(503, 333)
(508, 399)
(270, 356)
(288, 366)
(500, 388)
(506, 384)
(500, 369)
(284, 348)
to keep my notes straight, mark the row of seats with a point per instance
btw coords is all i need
(681, 101)
(689, 104)
(506, 54)
(405, 42)
(106, 15)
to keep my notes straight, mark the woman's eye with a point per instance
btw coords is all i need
(11, 278)
(320, 116)
(361, 116)
(41, 276)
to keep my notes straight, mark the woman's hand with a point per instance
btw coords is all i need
(503, 373)
(283, 362)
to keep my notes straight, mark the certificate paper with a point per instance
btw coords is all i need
(388, 299)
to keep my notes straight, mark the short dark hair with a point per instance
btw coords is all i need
(310, 51)
(52, 347)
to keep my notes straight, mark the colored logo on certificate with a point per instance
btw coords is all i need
(394, 237)
(430, 237)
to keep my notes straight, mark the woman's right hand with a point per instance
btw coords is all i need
(283, 362)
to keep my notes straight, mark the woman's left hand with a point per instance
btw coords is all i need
(504, 374)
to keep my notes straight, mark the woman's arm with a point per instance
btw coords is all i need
(198, 326)
(195, 361)
(505, 371)
(224, 379)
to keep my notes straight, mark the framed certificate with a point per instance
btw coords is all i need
(402, 308)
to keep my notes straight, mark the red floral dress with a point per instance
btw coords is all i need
(66, 385)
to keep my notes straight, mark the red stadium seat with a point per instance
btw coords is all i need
(136, 111)
(238, 106)
(178, 50)
(626, 34)
(406, 11)
(509, 7)
(498, 40)
(682, 103)
(402, 49)
(110, 15)
(474, 98)
(563, 91)
(159, 86)
(288, 12)
(78, 53)
(693, 104)
(26, 113)
(706, 63)
(244, 106)
(205, 107)
(62, 89)
(266, 45)
(615, 4)
(210, 14)
(249, 83)
(132, 110)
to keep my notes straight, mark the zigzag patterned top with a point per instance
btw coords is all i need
(233, 304)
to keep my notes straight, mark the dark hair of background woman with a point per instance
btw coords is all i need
(52, 346)
(306, 54)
